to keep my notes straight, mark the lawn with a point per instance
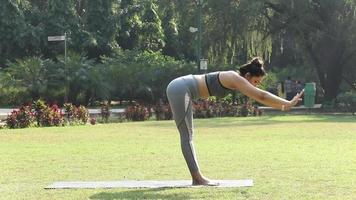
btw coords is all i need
(288, 157)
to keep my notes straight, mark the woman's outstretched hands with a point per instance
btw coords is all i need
(297, 98)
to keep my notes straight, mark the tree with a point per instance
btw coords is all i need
(27, 77)
(61, 18)
(169, 24)
(130, 24)
(101, 23)
(152, 36)
(235, 31)
(325, 30)
(185, 19)
(13, 30)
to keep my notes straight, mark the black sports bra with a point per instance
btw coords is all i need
(214, 85)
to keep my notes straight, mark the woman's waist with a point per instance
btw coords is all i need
(203, 89)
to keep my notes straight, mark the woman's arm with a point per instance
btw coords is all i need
(233, 80)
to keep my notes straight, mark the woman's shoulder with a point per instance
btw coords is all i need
(230, 73)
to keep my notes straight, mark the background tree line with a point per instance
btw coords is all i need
(131, 49)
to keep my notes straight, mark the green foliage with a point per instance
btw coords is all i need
(312, 38)
(325, 32)
(33, 78)
(85, 80)
(13, 30)
(170, 27)
(101, 23)
(152, 36)
(142, 75)
(39, 107)
(25, 79)
(130, 24)
(61, 18)
(269, 81)
(347, 102)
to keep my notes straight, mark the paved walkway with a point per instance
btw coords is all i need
(6, 111)
(302, 107)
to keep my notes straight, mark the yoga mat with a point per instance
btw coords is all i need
(145, 184)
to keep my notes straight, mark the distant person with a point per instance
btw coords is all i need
(299, 86)
(288, 88)
(182, 90)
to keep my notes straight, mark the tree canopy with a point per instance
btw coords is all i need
(314, 39)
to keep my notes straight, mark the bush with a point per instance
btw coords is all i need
(163, 112)
(215, 108)
(92, 121)
(39, 107)
(225, 107)
(136, 113)
(347, 102)
(70, 113)
(52, 116)
(46, 115)
(22, 118)
(82, 114)
(11, 120)
(105, 112)
(75, 115)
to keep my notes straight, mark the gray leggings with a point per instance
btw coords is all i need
(180, 92)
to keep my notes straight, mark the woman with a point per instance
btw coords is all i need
(181, 91)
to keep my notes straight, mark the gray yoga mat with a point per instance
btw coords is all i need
(144, 184)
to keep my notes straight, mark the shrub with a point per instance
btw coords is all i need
(136, 113)
(213, 108)
(46, 115)
(347, 102)
(105, 112)
(52, 116)
(11, 120)
(244, 110)
(92, 121)
(163, 112)
(39, 107)
(22, 118)
(82, 114)
(256, 111)
(70, 112)
(75, 115)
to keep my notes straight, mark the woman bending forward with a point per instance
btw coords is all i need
(182, 90)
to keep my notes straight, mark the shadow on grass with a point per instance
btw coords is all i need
(155, 193)
(266, 120)
(166, 193)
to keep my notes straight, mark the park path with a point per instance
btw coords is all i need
(6, 111)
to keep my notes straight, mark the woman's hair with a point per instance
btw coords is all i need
(255, 67)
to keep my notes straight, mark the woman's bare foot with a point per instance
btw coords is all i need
(205, 182)
(199, 179)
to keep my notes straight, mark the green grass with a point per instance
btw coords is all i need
(288, 157)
